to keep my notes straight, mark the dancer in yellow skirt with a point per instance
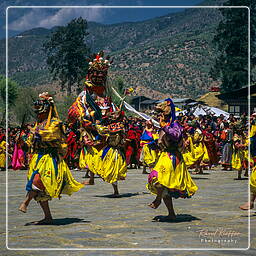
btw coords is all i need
(90, 154)
(48, 174)
(114, 167)
(200, 151)
(2, 151)
(194, 151)
(238, 155)
(188, 150)
(170, 177)
(149, 153)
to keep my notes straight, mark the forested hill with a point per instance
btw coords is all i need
(172, 53)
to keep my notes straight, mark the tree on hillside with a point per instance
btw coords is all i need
(12, 95)
(24, 104)
(231, 64)
(67, 52)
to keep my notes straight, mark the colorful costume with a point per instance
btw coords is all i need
(238, 153)
(101, 124)
(149, 153)
(170, 170)
(18, 157)
(188, 151)
(48, 173)
(2, 151)
(90, 153)
(114, 166)
(72, 148)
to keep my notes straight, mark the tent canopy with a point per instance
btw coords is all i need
(206, 110)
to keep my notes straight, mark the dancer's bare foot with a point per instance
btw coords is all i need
(45, 221)
(145, 172)
(246, 206)
(23, 207)
(88, 182)
(155, 204)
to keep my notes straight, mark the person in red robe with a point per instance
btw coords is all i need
(210, 143)
(131, 147)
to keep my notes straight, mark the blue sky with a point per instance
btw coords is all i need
(27, 18)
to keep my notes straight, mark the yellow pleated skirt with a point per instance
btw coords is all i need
(2, 160)
(113, 167)
(55, 175)
(189, 158)
(149, 156)
(90, 158)
(237, 159)
(199, 150)
(171, 172)
(2, 154)
(82, 162)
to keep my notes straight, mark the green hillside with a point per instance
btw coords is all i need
(172, 53)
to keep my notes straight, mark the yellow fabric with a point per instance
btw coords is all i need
(246, 153)
(238, 155)
(189, 154)
(198, 150)
(253, 180)
(49, 118)
(237, 158)
(155, 136)
(82, 162)
(92, 159)
(2, 154)
(113, 166)
(206, 158)
(178, 178)
(52, 132)
(149, 155)
(55, 182)
(51, 136)
(253, 130)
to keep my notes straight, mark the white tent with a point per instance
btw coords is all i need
(206, 110)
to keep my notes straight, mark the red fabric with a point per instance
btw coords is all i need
(2, 136)
(209, 142)
(72, 145)
(131, 152)
(38, 182)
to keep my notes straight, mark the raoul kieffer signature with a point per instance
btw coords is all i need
(219, 232)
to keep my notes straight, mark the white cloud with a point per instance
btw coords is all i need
(42, 17)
